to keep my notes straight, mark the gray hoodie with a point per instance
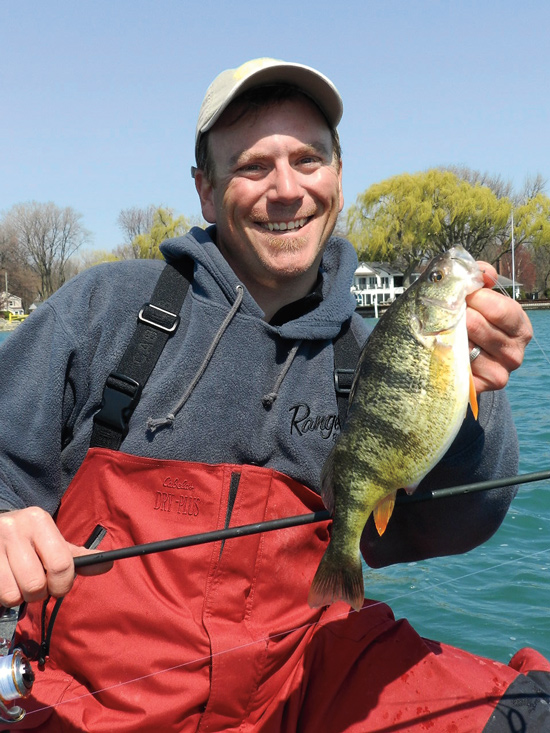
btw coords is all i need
(265, 397)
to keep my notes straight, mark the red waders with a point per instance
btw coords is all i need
(213, 638)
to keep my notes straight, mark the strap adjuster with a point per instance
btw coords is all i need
(120, 397)
(167, 322)
(343, 379)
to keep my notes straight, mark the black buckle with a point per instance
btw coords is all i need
(120, 397)
(343, 379)
(168, 322)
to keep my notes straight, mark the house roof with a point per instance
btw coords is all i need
(505, 282)
(379, 267)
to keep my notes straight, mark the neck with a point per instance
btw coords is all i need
(272, 299)
(273, 291)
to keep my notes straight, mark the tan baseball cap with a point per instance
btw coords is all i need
(259, 72)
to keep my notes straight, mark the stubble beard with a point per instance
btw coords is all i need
(287, 245)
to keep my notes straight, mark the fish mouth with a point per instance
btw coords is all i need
(453, 307)
(465, 259)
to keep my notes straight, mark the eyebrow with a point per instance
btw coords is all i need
(314, 147)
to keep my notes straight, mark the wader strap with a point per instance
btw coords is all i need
(346, 356)
(157, 322)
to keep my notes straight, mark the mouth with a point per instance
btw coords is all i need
(284, 226)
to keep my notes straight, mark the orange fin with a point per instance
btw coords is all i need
(473, 396)
(383, 511)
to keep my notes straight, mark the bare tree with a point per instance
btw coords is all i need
(134, 222)
(532, 187)
(21, 279)
(500, 187)
(47, 235)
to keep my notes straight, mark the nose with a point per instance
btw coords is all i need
(286, 184)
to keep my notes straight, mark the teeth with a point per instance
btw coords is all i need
(283, 226)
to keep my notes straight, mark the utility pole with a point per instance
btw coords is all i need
(513, 261)
(4, 305)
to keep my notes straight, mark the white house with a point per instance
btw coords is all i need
(11, 303)
(505, 282)
(375, 283)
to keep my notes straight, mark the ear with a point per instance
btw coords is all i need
(341, 190)
(206, 194)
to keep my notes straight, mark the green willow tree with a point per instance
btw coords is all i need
(164, 226)
(409, 217)
(531, 223)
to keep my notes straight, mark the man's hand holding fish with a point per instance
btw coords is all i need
(498, 325)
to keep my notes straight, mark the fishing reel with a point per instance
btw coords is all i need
(16, 681)
(16, 675)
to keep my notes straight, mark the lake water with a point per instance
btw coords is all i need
(495, 599)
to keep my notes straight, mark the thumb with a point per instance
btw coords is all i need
(96, 569)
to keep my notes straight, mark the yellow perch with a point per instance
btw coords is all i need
(409, 397)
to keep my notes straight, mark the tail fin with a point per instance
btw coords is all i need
(337, 579)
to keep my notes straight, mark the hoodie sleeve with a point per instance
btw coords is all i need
(482, 450)
(36, 400)
(53, 368)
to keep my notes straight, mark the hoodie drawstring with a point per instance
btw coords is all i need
(155, 423)
(269, 398)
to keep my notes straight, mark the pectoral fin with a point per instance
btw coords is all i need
(473, 396)
(383, 511)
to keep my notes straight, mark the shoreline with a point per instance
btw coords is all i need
(527, 305)
(365, 311)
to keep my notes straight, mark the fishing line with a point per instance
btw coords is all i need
(263, 640)
(503, 290)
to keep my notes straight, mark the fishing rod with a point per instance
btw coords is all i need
(294, 521)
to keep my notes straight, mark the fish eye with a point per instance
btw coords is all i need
(436, 276)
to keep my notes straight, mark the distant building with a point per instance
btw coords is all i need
(375, 283)
(505, 282)
(11, 303)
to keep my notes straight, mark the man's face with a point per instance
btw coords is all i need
(276, 194)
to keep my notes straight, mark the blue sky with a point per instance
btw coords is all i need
(99, 98)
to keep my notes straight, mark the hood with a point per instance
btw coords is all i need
(215, 280)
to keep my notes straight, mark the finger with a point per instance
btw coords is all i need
(22, 570)
(89, 570)
(490, 275)
(37, 554)
(45, 568)
(499, 326)
(488, 373)
(10, 595)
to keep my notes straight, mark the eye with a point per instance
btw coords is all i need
(436, 276)
(249, 168)
(308, 159)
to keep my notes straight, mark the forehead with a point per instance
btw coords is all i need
(242, 127)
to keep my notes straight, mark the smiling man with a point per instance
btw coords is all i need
(274, 194)
(219, 409)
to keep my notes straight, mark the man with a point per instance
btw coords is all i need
(232, 427)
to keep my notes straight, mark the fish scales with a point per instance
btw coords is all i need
(408, 400)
